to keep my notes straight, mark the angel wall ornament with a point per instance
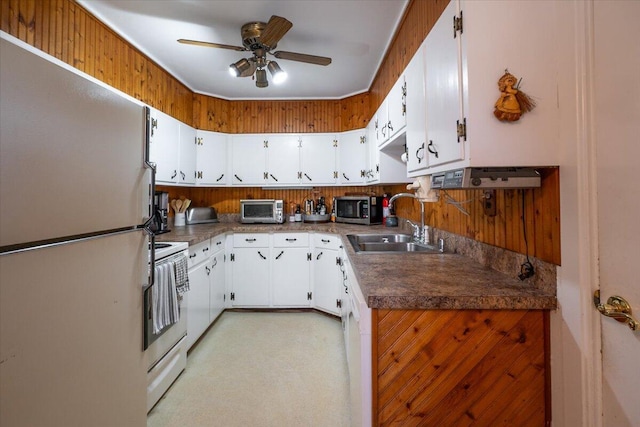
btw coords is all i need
(512, 102)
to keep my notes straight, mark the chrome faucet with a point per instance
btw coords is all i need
(420, 233)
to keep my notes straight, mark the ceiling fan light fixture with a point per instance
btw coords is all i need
(239, 67)
(278, 74)
(261, 78)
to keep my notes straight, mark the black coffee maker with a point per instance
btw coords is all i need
(161, 210)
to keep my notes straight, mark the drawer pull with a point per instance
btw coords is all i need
(325, 241)
(205, 249)
(250, 240)
(291, 240)
(193, 255)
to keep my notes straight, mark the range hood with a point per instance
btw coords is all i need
(481, 178)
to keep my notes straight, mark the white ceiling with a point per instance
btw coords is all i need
(354, 33)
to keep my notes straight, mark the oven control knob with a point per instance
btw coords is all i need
(476, 181)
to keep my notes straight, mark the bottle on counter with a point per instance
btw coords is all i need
(298, 214)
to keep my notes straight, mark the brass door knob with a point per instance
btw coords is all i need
(617, 308)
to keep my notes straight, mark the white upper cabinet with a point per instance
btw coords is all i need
(462, 69)
(416, 126)
(444, 92)
(187, 169)
(164, 146)
(353, 157)
(283, 159)
(248, 160)
(318, 154)
(211, 158)
(396, 109)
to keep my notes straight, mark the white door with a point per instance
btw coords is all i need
(283, 158)
(318, 159)
(290, 277)
(617, 112)
(248, 160)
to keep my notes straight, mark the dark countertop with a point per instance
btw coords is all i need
(407, 280)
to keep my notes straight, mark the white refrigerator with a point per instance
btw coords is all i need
(74, 252)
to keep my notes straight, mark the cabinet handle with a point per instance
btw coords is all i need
(218, 243)
(261, 256)
(274, 178)
(193, 255)
(432, 151)
(279, 255)
(250, 240)
(221, 176)
(390, 127)
(208, 270)
(418, 153)
(237, 177)
(215, 262)
(182, 175)
(345, 176)
(291, 240)
(175, 173)
(205, 249)
(384, 132)
(325, 241)
(308, 177)
(319, 255)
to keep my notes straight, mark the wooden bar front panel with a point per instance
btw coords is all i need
(460, 367)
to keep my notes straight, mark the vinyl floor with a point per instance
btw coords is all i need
(262, 369)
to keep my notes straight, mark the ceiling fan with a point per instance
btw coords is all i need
(261, 39)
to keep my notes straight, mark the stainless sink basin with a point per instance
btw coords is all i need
(388, 243)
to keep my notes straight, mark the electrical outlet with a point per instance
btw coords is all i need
(489, 202)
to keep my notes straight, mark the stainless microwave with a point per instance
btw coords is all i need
(261, 211)
(365, 210)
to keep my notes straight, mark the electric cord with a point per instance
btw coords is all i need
(448, 199)
(526, 268)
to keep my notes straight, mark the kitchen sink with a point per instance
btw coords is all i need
(388, 243)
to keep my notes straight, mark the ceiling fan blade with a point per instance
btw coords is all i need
(276, 28)
(301, 57)
(209, 44)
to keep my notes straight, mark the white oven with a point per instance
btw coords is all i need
(167, 352)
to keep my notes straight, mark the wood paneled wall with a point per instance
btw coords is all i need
(420, 16)
(320, 116)
(68, 32)
(65, 30)
(460, 367)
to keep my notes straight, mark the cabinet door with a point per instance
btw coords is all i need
(164, 146)
(416, 129)
(211, 161)
(327, 279)
(396, 105)
(372, 174)
(216, 285)
(250, 277)
(443, 90)
(197, 303)
(187, 170)
(249, 160)
(381, 123)
(283, 159)
(290, 277)
(318, 159)
(353, 157)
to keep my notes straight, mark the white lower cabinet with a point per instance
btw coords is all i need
(291, 270)
(250, 270)
(206, 287)
(216, 285)
(327, 277)
(197, 303)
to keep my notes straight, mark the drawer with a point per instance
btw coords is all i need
(251, 240)
(217, 243)
(328, 241)
(199, 252)
(295, 240)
